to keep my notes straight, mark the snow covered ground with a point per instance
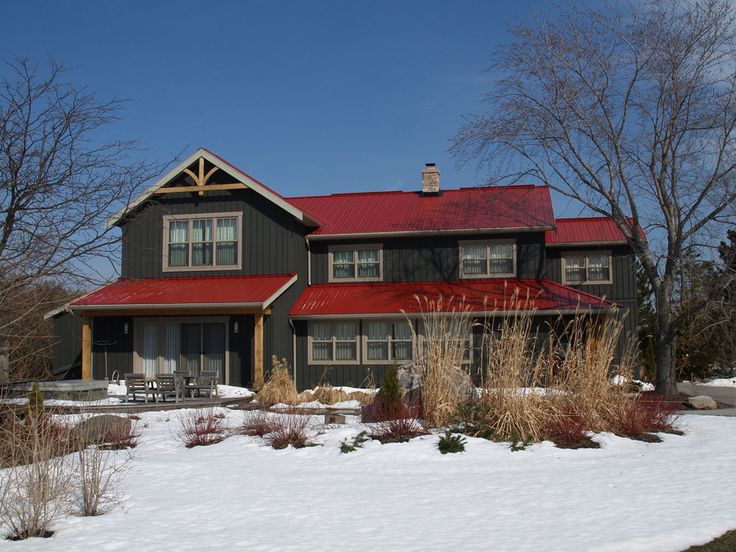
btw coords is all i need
(241, 494)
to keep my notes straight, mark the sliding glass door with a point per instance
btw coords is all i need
(193, 345)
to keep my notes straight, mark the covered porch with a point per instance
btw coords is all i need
(162, 325)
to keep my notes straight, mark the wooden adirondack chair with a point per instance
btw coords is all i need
(136, 384)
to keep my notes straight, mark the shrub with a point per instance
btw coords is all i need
(451, 443)
(200, 427)
(280, 387)
(37, 489)
(355, 444)
(289, 429)
(396, 430)
(643, 415)
(258, 424)
(364, 398)
(391, 394)
(568, 429)
(326, 394)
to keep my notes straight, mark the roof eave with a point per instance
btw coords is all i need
(411, 233)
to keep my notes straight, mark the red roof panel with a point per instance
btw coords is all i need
(479, 296)
(490, 207)
(584, 230)
(195, 291)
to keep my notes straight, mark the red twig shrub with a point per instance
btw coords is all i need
(199, 428)
(399, 429)
(289, 429)
(647, 413)
(568, 429)
(258, 424)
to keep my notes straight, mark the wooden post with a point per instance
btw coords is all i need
(86, 348)
(258, 352)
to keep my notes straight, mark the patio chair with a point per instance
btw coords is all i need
(136, 384)
(181, 379)
(166, 386)
(205, 380)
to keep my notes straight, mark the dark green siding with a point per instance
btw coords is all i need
(67, 346)
(108, 334)
(431, 259)
(622, 290)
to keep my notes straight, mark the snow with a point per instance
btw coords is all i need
(721, 382)
(643, 385)
(223, 391)
(241, 494)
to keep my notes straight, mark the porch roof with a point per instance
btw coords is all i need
(252, 292)
(479, 296)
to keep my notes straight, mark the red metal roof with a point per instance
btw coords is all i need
(490, 207)
(479, 296)
(584, 230)
(200, 291)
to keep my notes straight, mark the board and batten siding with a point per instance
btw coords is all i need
(431, 258)
(622, 290)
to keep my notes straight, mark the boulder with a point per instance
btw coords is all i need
(702, 402)
(102, 429)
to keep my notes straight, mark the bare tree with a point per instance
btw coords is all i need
(629, 109)
(59, 181)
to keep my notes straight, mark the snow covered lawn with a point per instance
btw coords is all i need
(242, 495)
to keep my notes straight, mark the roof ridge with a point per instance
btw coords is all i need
(418, 192)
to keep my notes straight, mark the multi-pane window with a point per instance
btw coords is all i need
(387, 341)
(581, 268)
(333, 342)
(448, 347)
(479, 259)
(359, 263)
(199, 242)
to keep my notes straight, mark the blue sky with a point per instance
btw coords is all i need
(310, 98)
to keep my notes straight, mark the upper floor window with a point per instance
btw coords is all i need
(202, 242)
(355, 263)
(586, 268)
(492, 259)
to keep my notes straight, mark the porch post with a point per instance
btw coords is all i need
(86, 347)
(258, 352)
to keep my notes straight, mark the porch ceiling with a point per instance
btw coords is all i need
(201, 294)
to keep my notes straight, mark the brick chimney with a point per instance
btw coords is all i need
(430, 179)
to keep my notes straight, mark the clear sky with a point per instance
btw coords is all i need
(308, 97)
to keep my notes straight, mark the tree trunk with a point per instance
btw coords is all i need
(664, 355)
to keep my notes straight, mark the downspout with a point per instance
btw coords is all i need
(309, 261)
(293, 347)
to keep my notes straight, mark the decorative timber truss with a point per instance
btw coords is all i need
(199, 173)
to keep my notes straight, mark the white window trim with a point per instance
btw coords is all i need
(586, 254)
(354, 248)
(487, 244)
(205, 268)
(310, 358)
(389, 341)
(161, 322)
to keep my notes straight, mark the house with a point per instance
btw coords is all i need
(220, 272)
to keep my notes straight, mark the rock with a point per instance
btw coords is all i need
(101, 429)
(702, 402)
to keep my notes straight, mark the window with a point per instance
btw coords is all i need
(586, 268)
(466, 344)
(333, 343)
(386, 342)
(197, 242)
(356, 263)
(487, 259)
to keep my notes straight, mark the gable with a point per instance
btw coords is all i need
(204, 172)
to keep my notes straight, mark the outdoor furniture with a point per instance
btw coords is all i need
(166, 386)
(205, 380)
(137, 384)
(181, 379)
